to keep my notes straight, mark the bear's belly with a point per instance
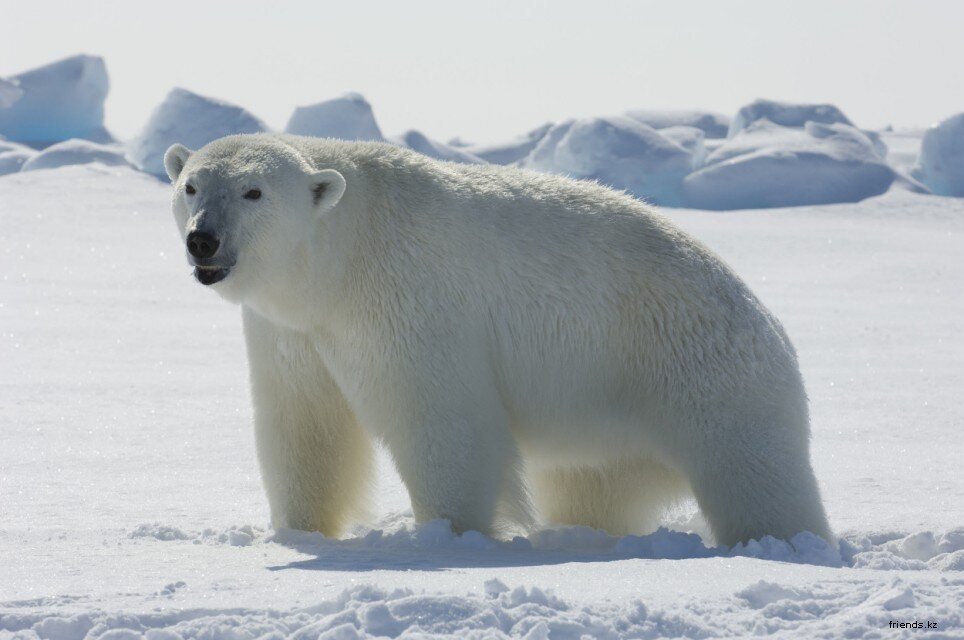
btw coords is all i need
(585, 416)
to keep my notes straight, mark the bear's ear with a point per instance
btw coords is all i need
(174, 160)
(327, 188)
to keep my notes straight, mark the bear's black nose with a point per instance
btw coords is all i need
(202, 245)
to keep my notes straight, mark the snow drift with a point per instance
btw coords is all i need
(617, 151)
(940, 165)
(713, 125)
(348, 117)
(417, 141)
(55, 102)
(511, 151)
(191, 119)
(768, 165)
(76, 152)
(785, 114)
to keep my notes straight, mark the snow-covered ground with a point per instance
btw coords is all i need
(130, 502)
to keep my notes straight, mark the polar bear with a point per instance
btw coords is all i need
(516, 340)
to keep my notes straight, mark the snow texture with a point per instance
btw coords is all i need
(785, 114)
(713, 125)
(76, 152)
(616, 151)
(190, 119)
(511, 151)
(132, 506)
(417, 141)
(348, 117)
(768, 165)
(941, 162)
(55, 102)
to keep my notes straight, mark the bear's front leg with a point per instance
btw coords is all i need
(315, 460)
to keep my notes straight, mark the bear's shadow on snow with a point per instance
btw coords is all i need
(346, 555)
(433, 547)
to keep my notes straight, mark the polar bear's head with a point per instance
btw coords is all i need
(244, 205)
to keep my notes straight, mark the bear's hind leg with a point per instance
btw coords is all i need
(757, 486)
(622, 497)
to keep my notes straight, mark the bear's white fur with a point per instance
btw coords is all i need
(502, 333)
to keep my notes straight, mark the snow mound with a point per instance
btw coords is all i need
(940, 165)
(417, 141)
(236, 536)
(768, 165)
(918, 551)
(55, 102)
(191, 119)
(158, 531)
(713, 125)
(508, 152)
(785, 114)
(617, 151)
(348, 117)
(76, 152)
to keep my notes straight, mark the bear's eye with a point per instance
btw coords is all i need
(190, 190)
(254, 194)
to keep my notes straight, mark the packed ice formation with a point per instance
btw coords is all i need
(768, 165)
(940, 165)
(511, 151)
(190, 119)
(785, 114)
(713, 125)
(617, 151)
(55, 102)
(770, 154)
(418, 141)
(348, 117)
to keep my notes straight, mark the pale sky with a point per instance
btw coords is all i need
(486, 71)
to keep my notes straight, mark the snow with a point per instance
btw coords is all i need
(713, 125)
(12, 157)
(768, 165)
(418, 141)
(190, 119)
(132, 505)
(6, 145)
(58, 101)
(690, 138)
(348, 117)
(616, 151)
(10, 92)
(940, 165)
(511, 151)
(75, 152)
(785, 114)
(903, 147)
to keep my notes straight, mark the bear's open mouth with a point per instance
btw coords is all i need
(210, 275)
